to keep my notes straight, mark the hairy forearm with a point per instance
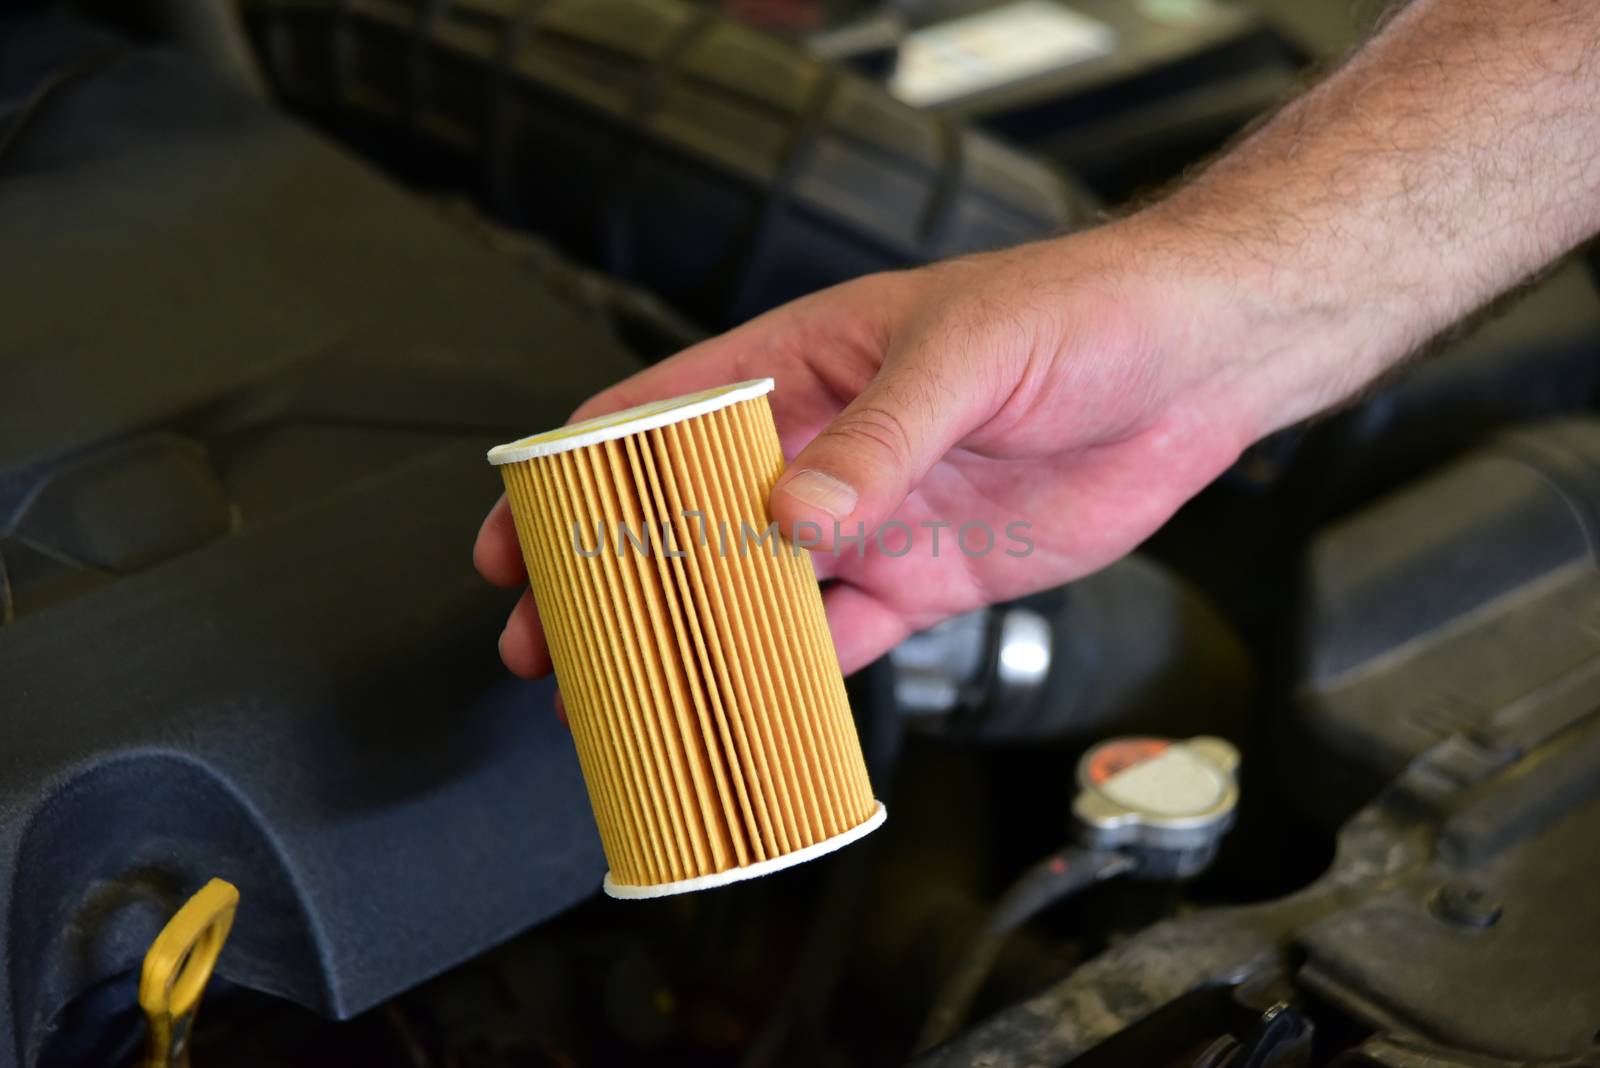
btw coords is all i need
(1452, 157)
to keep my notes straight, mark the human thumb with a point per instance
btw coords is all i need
(859, 470)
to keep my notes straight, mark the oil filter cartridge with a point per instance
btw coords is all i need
(689, 641)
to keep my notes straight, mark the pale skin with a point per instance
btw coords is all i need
(1091, 384)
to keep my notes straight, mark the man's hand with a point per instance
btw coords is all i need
(1090, 385)
(1052, 385)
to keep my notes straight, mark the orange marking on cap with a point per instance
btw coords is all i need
(1119, 756)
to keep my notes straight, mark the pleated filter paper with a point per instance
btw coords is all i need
(700, 680)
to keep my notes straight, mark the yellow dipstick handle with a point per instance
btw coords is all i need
(178, 966)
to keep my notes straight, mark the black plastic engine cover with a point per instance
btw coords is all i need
(723, 169)
(248, 386)
(1427, 614)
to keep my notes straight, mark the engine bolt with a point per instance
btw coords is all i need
(1465, 905)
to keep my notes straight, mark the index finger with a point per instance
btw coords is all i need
(718, 361)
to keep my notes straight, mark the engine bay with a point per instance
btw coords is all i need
(1311, 779)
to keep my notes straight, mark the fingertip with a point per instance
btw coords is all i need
(522, 643)
(814, 494)
(496, 554)
(811, 508)
(513, 658)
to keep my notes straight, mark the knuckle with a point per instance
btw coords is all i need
(879, 429)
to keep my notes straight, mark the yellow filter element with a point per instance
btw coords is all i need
(689, 640)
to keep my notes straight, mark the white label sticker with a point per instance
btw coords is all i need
(967, 55)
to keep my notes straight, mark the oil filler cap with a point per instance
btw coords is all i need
(1166, 803)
